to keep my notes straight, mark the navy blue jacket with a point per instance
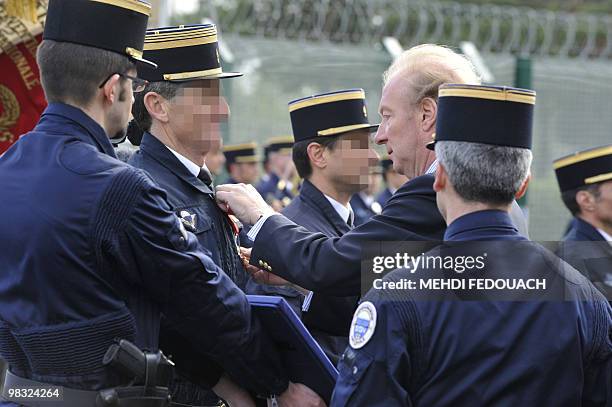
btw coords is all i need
(363, 212)
(333, 265)
(384, 196)
(586, 249)
(484, 353)
(189, 196)
(194, 203)
(91, 251)
(270, 189)
(328, 318)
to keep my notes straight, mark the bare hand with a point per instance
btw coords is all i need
(245, 253)
(243, 201)
(298, 395)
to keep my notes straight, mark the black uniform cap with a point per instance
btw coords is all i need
(282, 144)
(113, 25)
(584, 168)
(241, 153)
(496, 115)
(184, 53)
(329, 114)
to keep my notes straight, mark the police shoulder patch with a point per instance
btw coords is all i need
(363, 325)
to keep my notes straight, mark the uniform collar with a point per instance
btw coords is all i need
(343, 211)
(190, 165)
(483, 225)
(311, 193)
(606, 236)
(95, 136)
(432, 168)
(586, 230)
(157, 150)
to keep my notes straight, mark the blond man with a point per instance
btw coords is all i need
(408, 108)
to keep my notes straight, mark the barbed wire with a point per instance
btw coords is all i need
(495, 29)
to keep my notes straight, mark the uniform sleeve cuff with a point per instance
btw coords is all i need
(307, 300)
(258, 225)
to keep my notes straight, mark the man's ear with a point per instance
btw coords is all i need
(157, 106)
(429, 111)
(112, 88)
(523, 189)
(315, 155)
(585, 200)
(441, 178)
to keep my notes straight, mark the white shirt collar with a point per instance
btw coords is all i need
(605, 235)
(190, 165)
(343, 211)
(432, 168)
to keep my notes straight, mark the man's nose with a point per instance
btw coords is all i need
(380, 137)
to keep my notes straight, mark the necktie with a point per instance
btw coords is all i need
(205, 177)
(351, 219)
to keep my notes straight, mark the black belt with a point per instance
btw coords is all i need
(136, 396)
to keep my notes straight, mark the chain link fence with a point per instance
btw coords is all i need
(493, 28)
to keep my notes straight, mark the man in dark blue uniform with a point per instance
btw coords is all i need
(414, 347)
(334, 165)
(277, 185)
(393, 181)
(91, 249)
(241, 163)
(332, 265)
(180, 112)
(585, 180)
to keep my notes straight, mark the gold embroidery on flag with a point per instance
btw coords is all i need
(10, 113)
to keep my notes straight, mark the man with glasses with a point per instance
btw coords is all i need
(138, 84)
(91, 250)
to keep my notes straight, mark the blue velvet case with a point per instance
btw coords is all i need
(304, 359)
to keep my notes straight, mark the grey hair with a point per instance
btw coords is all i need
(168, 90)
(483, 172)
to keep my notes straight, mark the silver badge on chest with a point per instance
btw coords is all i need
(188, 220)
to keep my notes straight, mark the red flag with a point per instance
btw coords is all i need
(22, 99)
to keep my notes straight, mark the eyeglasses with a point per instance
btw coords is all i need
(138, 85)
